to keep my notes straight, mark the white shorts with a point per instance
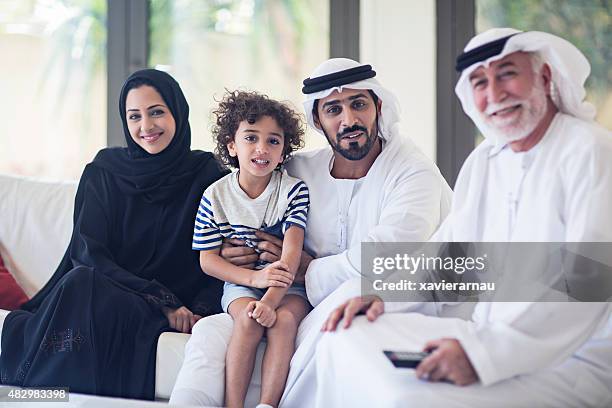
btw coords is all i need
(231, 292)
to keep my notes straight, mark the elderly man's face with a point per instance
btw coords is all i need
(510, 96)
(348, 119)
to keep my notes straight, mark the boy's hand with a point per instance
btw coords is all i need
(262, 313)
(271, 248)
(276, 274)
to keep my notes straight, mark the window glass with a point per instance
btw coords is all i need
(208, 45)
(54, 85)
(406, 67)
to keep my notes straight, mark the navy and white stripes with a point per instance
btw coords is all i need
(297, 210)
(226, 212)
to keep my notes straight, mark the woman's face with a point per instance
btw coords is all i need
(149, 120)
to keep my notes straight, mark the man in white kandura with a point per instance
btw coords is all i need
(371, 184)
(544, 173)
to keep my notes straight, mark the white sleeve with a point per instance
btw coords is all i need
(326, 274)
(445, 232)
(536, 336)
(411, 213)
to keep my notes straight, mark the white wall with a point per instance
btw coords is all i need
(398, 38)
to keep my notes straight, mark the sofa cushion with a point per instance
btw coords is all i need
(170, 354)
(35, 227)
(11, 294)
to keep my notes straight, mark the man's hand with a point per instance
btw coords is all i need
(276, 274)
(262, 313)
(181, 319)
(271, 249)
(447, 362)
(300, 274)
(371, 305)
(236, 252)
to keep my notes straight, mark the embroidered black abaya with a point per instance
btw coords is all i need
(94, 326)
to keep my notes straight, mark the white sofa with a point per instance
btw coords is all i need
(35, 227)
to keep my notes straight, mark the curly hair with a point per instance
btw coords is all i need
(237, 106)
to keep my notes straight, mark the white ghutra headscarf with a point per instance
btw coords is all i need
(335, 67)
(569, 68)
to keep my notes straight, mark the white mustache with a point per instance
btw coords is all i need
(496, 107)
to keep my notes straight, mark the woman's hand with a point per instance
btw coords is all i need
(236, 252)
(262, 313)
(181, 319)
(371, 305)
(276, 274)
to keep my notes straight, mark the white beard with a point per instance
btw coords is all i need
(506, 131)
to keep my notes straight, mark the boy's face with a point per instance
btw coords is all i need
(258, 146)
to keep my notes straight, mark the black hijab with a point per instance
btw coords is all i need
(156, 176)
(151, 201)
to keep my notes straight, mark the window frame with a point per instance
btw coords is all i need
(455, 26)
(127, 51)
(128, 47)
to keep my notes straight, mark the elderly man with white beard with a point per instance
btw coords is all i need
(543, 174)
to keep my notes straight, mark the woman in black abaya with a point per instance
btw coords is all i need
(129, 273)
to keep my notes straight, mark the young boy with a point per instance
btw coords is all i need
(256, 134)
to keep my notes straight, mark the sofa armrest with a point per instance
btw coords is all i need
(170, 354)
(35, 227)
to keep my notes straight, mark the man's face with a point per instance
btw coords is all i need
(348, 120)
(510, 97)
